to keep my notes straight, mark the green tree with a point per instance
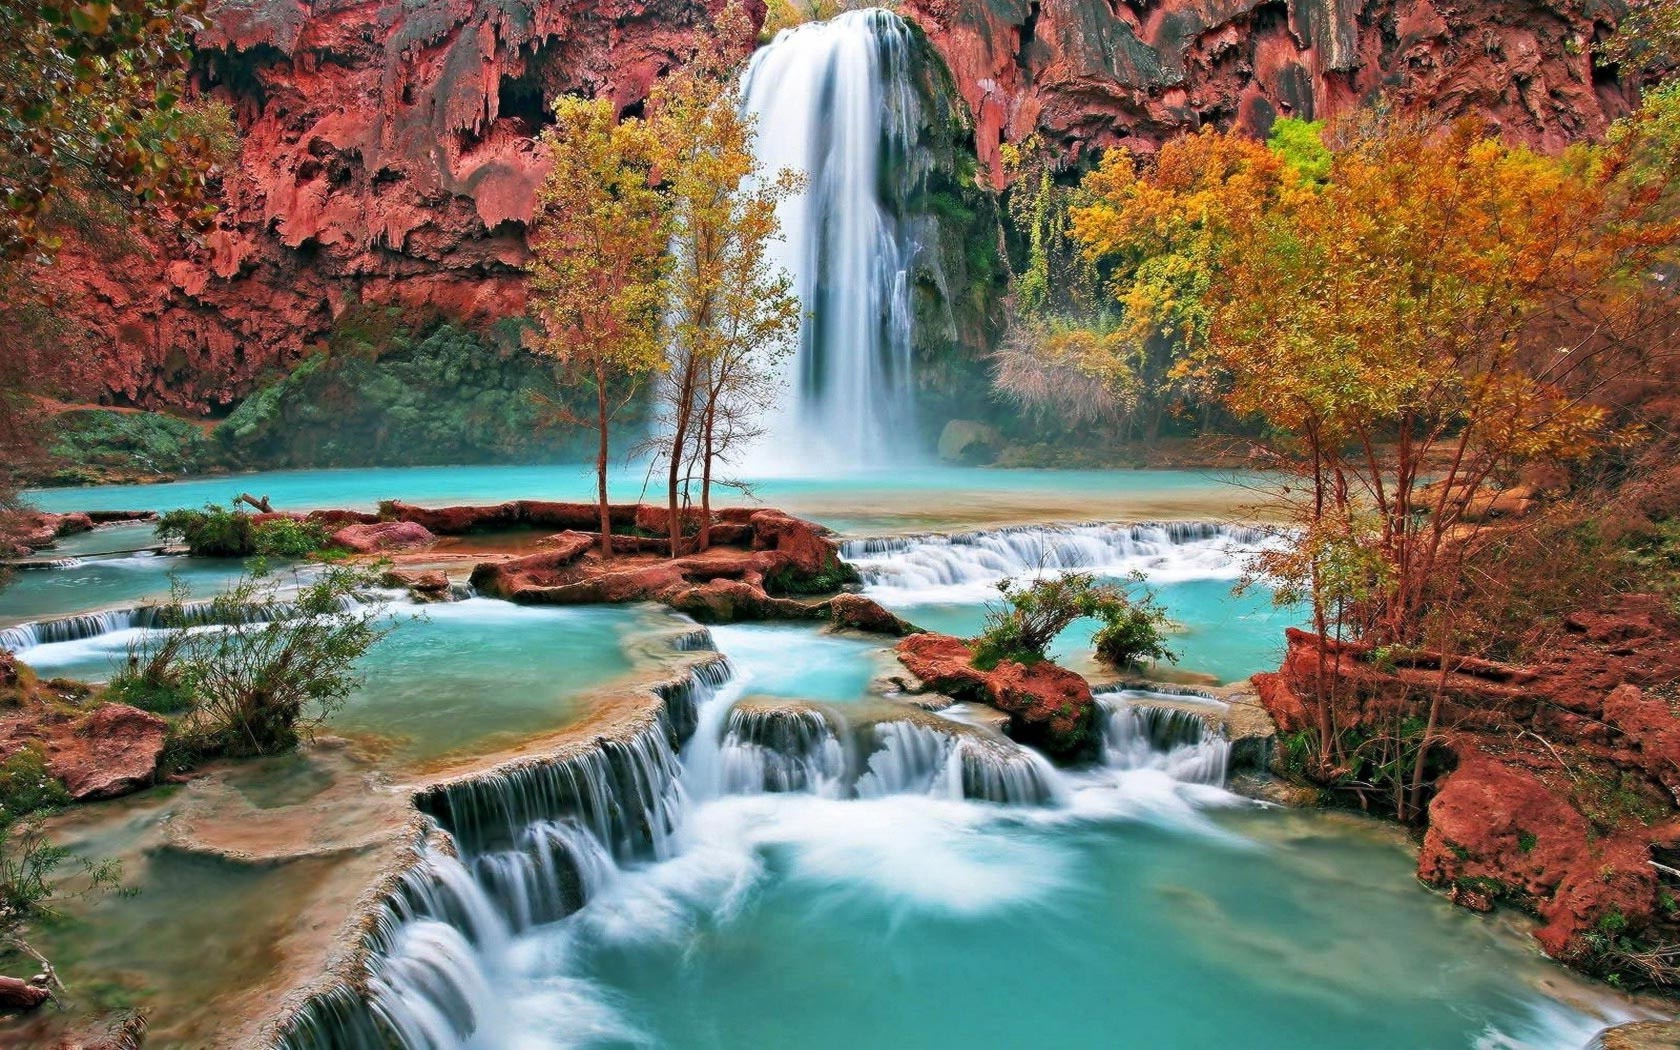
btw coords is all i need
(1032, 614)
(598, 261)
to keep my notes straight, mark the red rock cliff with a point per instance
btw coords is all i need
(1089, 73)
(388, 152)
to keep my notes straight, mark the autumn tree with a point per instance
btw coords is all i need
(1404, 319)
(598, 260)
(96, 131)
(731, 311)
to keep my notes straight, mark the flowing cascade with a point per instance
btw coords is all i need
(834, 100)
(1166, 551)
(783, 750)
(1155, 731)
(26, 636)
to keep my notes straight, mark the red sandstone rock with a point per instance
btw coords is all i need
(110, 752)
(1561, 817)
(855, 612)
(429, 586)
(1048, 706)
(456, 521)
(383, 536)
(1084, 73)
(726, 601)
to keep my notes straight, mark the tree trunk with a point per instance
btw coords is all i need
(601, 413)
(704, 540)
(679, 443)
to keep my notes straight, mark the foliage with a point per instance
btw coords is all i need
(220, 532)
(27, 787)
(1070, 377)
(1413, 301)
(254, 668)
(33, 879)
(835, 574)
(1647, 38)
(1033, 614)
(214, 532)
(87, 442)
(1301, 145)
(731, 312)
(392, 388)
(598, 260)
(91, 103)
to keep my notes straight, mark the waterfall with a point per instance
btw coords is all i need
(1156, 731)
(781, 749)
(914, 758)
(834, 100)
(25, 636)
(968, 564)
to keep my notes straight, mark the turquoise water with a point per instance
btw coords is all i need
(99, 583)
(453, 678)
(862, 502)
(944, 925)
(1137, 912)
(793, 662)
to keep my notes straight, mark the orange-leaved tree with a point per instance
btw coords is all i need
(732, 311)
(598, 262)
(1404, 320)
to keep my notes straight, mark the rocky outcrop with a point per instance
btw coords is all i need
(760, 560)
(109, 751)
(854, 612)
(383, 536)
(387, 158)
(24, 532)
(1084, 74)
(1560, 785)
(1049, 707)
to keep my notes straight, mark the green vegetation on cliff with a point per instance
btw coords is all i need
(388, 390)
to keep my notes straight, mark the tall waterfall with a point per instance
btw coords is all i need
(833, 99)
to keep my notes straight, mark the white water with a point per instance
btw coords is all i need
(965, 567)
(833, 100)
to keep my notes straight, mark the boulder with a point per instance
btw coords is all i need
(727, 601)
(1639, 1035)
(16, 995)
(968, 442)
(383, 536)
(1497, 831)
(1049, 707)
(423, 587)
(857, 613)
(113, 750)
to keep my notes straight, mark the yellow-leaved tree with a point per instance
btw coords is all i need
(732, 312)
(598, 262)
(1404, 312)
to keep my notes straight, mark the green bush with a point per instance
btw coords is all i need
(276, 666)
(218, 532)
(214, 532)
(26, 786)
(1032, 615)
(289, 538)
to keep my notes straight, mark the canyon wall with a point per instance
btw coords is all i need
(388, 156)
(1097, 73)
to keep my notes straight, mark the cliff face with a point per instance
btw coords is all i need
(388, 156)
(1093, 73)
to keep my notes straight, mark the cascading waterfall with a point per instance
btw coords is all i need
(975, 560)
(1156, 731)
(25, 636)
(912, 758)
(834, 100)
(530, 844)
(783, 749)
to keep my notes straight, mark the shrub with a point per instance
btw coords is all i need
(273, 668)
(214, 532)
(218, 532)
(27, 787)
(1032, 615)
(289, 538)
